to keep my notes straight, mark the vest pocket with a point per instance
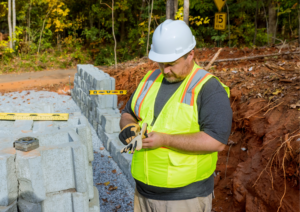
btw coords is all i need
(183, 117)
(182, 169)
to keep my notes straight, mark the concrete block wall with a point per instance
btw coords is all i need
(57, 176)
(102, 112)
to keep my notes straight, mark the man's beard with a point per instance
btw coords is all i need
(173, 78)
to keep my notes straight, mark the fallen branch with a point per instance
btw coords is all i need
(251, 58)
(214, 58)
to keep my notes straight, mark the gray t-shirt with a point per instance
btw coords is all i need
(215, 118)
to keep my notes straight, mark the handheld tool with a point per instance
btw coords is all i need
(136, 143)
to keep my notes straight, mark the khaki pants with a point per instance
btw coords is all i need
(199, 204)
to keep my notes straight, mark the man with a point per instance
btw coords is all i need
(189, 121)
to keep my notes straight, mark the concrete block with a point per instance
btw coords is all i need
(94, 203)
(101, 134)
(25, 206)
(79, 82)
(8, 178)
(80, 168)
(54, 136)
(58, 202)
(89, 103)
(90, 181)
(41, 126)
(111, 123)
(58, 168)
(80, 202)
(95, 125)
(46, 108)
(103, 84)
(84, 131)
(30, 176)
(23, 125)
(6, 142)
(11, 208)
(102, 112)
(106, 138)
(123, 160)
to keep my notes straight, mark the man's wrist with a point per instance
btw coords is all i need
(166, 140)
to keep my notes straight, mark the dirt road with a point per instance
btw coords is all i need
(43, 80)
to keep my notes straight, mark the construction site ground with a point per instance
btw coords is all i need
(259, 168)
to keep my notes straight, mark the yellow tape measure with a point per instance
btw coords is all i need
(35, 116)
(108, 92)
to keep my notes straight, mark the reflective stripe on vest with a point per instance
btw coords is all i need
(189, 92)
(147, 85)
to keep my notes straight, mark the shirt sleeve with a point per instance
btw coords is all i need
(215, 114)
(128, 109)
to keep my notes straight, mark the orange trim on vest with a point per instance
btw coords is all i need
(147, 92)
(188, 84)
(193, 91)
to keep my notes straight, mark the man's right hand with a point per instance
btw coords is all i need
(129, 132)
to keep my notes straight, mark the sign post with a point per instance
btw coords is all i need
(220, 18)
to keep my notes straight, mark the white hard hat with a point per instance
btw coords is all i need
(171, 40)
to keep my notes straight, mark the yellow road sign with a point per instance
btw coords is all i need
(108, 92)
(35, 116)
(220, 21)
(220, 4)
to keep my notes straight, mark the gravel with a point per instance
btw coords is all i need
(115, 192)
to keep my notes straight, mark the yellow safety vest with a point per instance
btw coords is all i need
(163, 167)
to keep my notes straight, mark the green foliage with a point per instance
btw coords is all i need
(76, 31)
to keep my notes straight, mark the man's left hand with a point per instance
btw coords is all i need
(154, 140)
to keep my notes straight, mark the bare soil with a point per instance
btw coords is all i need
(259, 170)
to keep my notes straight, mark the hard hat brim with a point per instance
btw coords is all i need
(166, 58)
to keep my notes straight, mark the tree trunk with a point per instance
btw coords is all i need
(186, 7)
(9, 24)
(175, 6)
(267, 25)
(141, 12)
(272, 22)
(91, 19)
(170, 9)
(43, 29)
(28, 23)
(113, 31)
(149, 22)
(14, 22)
(255, 32)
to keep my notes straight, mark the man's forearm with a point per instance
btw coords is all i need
(198, 143)
(126, 118)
